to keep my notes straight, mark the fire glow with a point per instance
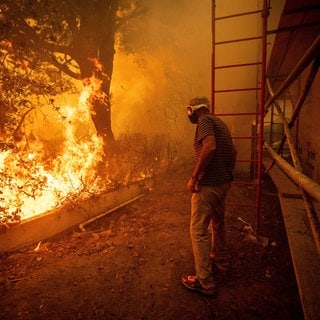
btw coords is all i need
(31, 182)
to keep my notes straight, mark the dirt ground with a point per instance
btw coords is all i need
(128, 265)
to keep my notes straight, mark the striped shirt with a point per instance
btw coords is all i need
(220, 168)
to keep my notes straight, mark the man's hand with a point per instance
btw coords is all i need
(193, 185)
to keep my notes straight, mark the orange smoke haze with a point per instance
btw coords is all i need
(170, 63)
(150, 87)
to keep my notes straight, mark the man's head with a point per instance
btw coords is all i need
(196, 107)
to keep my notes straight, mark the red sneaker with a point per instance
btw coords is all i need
(192, 283)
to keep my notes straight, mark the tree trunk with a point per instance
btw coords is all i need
(96, 53)
(101, 117)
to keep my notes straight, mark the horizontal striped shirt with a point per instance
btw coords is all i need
(220, 168)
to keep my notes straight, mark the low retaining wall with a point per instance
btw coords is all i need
(59, 220)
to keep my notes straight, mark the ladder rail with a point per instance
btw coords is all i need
(257, 137)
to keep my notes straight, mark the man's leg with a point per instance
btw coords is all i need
(200, 219)
(217, 226)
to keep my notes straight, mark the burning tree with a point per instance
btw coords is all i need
(76, 37)
(44, 44)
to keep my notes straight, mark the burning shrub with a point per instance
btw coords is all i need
(138, 157)
(31, 184)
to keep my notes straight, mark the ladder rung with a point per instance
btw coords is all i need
(245, 160)
(238, 15)
(241, 89)
(237, 114)
(251, 137)
(237, 40)
(238, 65)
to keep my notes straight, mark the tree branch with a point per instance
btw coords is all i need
(35, 42)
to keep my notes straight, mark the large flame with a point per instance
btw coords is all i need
(32, 184)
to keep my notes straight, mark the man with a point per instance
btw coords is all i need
(209, 183)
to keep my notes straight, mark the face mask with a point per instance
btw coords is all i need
(193, 118)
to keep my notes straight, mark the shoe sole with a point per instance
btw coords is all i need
(198, 289)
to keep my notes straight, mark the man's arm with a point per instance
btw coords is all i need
(207, 151)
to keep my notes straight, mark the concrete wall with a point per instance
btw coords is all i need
(60, 220)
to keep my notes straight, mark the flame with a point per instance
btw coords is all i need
(32, 184)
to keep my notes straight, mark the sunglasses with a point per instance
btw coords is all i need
(192, 109)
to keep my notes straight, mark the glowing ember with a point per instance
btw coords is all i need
(32, 184)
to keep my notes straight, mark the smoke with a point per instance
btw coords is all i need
(169, 64)
(166, 59)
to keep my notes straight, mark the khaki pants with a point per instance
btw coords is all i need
(207, 210)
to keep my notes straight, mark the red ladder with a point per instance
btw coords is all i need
(255, 114)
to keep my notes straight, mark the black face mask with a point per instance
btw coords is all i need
(193, 118)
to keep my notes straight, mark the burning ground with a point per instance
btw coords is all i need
(128, 265)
